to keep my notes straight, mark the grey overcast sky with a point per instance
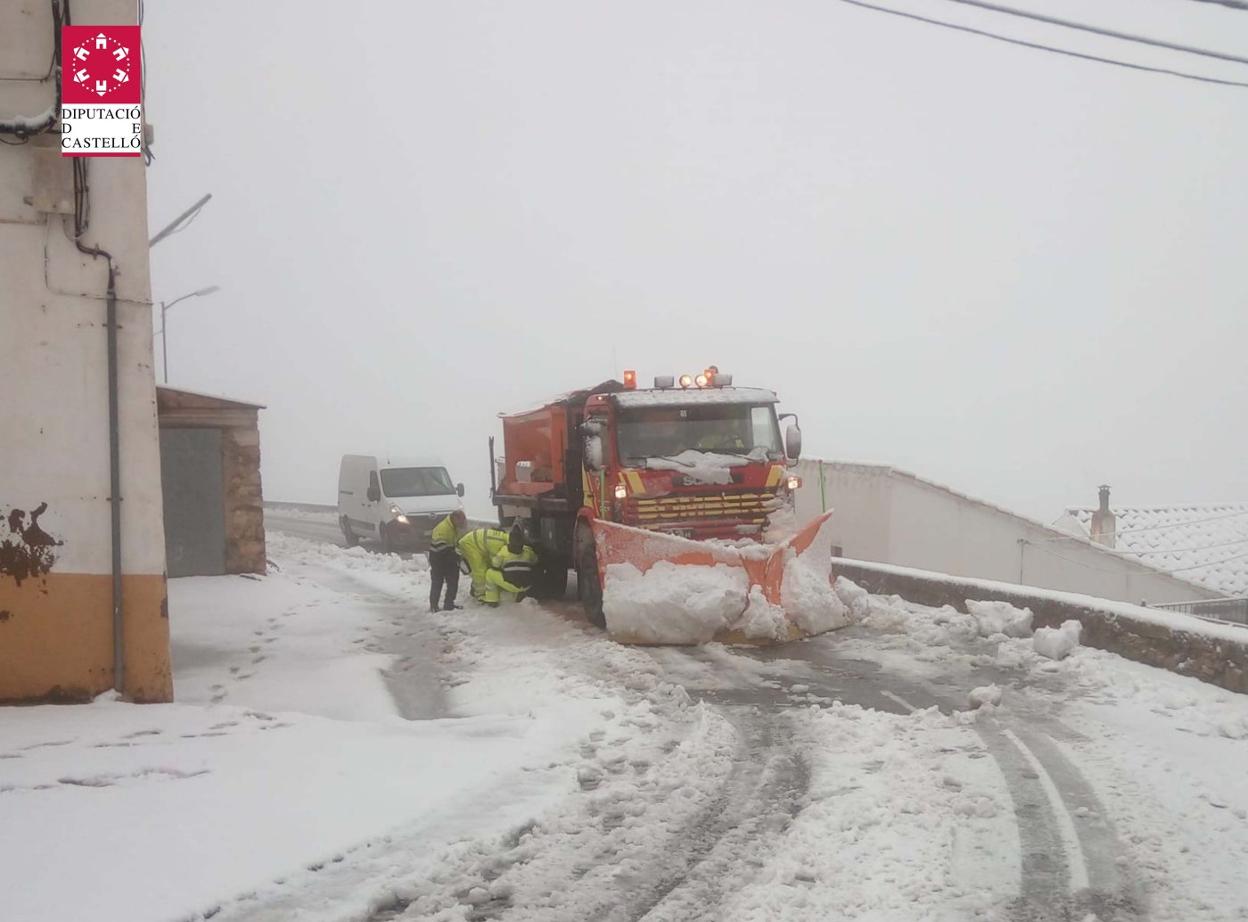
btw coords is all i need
(1016, 273)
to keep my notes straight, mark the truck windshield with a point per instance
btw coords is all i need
(729, 429)
(416, 481)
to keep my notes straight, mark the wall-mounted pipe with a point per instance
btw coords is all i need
(114, 473)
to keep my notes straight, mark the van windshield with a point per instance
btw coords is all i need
(416, 481)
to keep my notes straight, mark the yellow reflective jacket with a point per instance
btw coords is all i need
(444, 535)
(483, 542)
(517, 569)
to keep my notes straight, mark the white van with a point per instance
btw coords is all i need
(395, 501)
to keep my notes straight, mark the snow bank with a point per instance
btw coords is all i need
(673, 604)
(1057, 642)
(1000, 618)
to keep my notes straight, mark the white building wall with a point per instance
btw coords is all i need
(57, 636)
(890, 516)
(54, 406)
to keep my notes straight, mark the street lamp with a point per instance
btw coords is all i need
(164, 323)
(181, 222)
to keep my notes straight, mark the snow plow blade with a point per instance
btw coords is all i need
(661, 589)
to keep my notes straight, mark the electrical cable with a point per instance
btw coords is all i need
(1190, 547)
(1137, 531)
(1201, 566)
(1041, 47)
(1098, 30)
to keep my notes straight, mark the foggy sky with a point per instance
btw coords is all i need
(1015, 273)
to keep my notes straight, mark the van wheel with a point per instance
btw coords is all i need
(589, 588)
(383, 535)
(347, 534)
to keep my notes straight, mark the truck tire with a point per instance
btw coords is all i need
(589, 588)
(347, 534)
(552, 581)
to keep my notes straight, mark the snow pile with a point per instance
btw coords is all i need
(670, 603)
(1057, 642)
(856, 599)
(806, 590)
(704, 466)
(985, 694)
(762, 620)
(1000, 618)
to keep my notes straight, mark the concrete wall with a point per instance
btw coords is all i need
(1217, 654)
(56, 636)
(890, 516)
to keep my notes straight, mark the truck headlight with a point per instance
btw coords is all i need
(621, 491)
(795, 482)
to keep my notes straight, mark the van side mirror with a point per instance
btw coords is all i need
(459, 488)
(374, 494)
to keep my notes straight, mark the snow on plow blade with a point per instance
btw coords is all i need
(661, 589)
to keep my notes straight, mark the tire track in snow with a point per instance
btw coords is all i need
(1070, 868)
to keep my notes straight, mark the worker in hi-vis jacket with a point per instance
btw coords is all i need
(444, 561)
(477, 549)
(511, 571)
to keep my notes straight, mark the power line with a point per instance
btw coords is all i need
(1201, 566)
(1230, 4)
(1097, 30)
(1039, 47)
(1190, 547)
(1118, 533)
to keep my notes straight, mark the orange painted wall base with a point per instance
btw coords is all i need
(56, 638)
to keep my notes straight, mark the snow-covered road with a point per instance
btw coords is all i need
(847, 777)
(547, 773)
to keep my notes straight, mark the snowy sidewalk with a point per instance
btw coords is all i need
(284, 751)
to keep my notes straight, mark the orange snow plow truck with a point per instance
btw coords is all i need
(662, 501)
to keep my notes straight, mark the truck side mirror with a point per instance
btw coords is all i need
(374, 494)
(459, 488)
(793, 442)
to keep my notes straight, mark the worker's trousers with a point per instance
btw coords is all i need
(443, 570)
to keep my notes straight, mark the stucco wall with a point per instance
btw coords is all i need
(893, 517)
(56, 628)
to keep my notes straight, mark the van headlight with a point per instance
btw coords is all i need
(398, 514)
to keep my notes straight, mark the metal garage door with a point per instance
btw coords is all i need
(192, 482)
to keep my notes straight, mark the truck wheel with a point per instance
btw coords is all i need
(590, 589)
(347, 534)
(552, 581)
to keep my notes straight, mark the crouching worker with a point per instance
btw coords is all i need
(477, 549)
(511, 571)
(444, 561)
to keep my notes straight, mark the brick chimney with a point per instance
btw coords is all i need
(1103, 520)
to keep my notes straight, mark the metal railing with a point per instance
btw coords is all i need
(1232, 609)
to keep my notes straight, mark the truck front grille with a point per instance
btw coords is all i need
(744, 508)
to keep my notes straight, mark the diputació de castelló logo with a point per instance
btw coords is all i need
(101, 91)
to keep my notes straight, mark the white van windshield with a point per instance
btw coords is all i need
(416, 481)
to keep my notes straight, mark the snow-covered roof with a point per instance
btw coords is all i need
(1205, 543)
(164, 388)
(690, 397)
